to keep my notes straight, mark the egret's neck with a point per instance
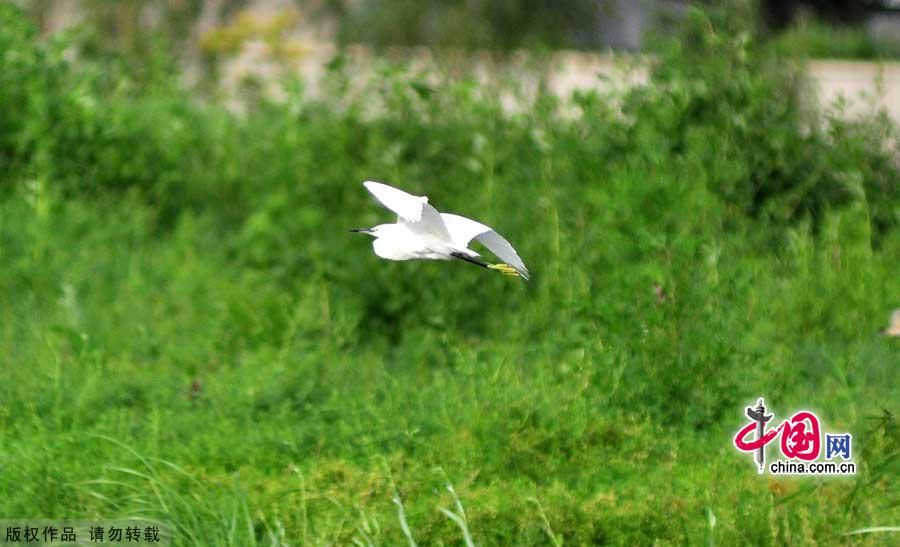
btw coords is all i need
(387, 230)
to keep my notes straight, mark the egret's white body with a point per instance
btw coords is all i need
(421, 232)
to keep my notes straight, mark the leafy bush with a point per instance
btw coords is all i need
(721, 125)
(497, 25)
(821, 40)
(178, 278)
(738, 107)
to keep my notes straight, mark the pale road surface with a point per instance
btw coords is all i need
(864, 85)
(856, 79)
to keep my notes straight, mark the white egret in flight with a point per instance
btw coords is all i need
(421, 232)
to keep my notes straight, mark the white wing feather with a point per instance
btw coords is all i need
(412, 211)
(407, 206)
(463, 230)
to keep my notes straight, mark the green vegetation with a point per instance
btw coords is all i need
(189, 333)
(827, 41)
(496, 25)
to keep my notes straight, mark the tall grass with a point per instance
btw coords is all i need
(190, 334)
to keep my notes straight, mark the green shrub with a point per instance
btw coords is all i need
(723, 99)
(180, 299)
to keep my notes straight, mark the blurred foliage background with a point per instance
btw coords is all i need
(189, 333)
(830, 28)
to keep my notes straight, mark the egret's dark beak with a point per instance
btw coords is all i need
(361, 230)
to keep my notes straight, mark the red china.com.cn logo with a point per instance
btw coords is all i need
(800, 444)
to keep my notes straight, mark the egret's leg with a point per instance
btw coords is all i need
(502, 268)
(470, 259)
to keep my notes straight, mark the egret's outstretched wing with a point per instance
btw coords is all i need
(463, 230)
(407, 206)
(412, 211)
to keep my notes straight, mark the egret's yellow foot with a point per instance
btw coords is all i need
(504, 269)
